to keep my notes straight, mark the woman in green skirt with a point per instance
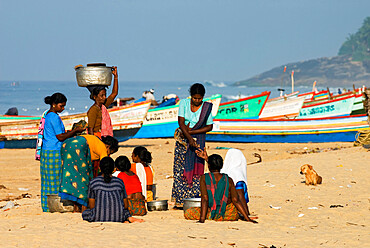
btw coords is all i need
(53, 136)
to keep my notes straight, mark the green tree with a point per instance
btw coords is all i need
(357, 45)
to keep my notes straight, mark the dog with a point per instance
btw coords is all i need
(311, 175)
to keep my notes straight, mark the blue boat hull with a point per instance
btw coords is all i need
(166, 130)
(294, 138)
(120, 135)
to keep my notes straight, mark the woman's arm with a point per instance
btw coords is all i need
(69, 134)
(114, 93)
(125, 202)
(236, 201)
(243, 200)
(205, 129)
(91, 203)
(185, 130)
(204, 199)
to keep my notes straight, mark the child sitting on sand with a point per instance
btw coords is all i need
(107, 197)
(135, 198)
(142, 168)
(220, 200)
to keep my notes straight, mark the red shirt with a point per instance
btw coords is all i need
(132, 183)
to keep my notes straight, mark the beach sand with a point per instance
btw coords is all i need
(305, 218)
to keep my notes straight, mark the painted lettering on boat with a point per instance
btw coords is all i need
(317, 110)
(163, 115)
(243, 108)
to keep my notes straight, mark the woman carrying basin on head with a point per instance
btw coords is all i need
(99, 122)
(195, 120)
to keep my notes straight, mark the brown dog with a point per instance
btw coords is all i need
(311, 175)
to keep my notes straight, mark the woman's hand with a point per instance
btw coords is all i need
(79, 129)
(250, 220)
(202, 154)
(193, 143)
(115, 71)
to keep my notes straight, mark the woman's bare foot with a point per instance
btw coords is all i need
(132, 220)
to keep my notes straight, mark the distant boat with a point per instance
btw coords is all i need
(162, 122)
(15, 132)
(332, 129)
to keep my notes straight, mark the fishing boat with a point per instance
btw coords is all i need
(244, 108)
(12, 118)
(357, 107)
(341, 106)
(332, 129)
(288, 106)
(162, 122)
(126, 122)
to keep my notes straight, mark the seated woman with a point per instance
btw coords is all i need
(220, 200)
(135, 198)
(107, 197)
(77, 155)
(142, 168)
(235, 167)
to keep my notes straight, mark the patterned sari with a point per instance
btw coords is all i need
(218, 194)
(77, 170)
(188, 167)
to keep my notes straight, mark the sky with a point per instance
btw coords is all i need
(170, 40)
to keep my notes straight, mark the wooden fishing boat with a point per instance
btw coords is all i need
(357, 107)
(12, 118)
(162, 122)
(126, 122)
(245, 108)
(285, 107)
(332, 129)
(327, 108)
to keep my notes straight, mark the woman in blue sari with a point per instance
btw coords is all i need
(53, 136)
(195, 120)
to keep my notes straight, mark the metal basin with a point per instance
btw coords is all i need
(97, 74)
(154, 190)
(191, 202)
(160, 205)
(55, 204)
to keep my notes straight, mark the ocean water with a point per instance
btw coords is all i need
(28, 96)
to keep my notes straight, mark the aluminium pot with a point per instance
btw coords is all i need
(191, 202)
(159, 205)
(93, 74)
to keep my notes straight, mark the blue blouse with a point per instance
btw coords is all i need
(53, 127)
(191, 117)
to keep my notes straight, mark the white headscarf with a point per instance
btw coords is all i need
(140, 172)
(235, 165)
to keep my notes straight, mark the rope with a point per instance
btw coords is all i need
(362, 138)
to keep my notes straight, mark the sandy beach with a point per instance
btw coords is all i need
(290, 214)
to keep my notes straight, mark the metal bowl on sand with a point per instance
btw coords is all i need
(191, 202)
(159, 205)
(55, 204)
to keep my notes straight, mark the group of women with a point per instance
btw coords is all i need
(79, 169)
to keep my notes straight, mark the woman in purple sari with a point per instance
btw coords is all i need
(195, 120)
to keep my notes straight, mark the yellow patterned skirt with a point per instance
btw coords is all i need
(231, 214)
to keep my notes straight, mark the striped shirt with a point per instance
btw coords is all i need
(108, 197)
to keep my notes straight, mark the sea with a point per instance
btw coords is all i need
(28, 96)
